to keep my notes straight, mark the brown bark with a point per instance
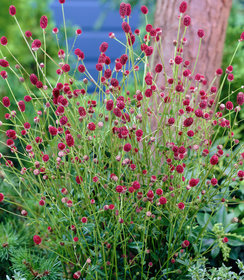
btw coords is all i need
(209, 15)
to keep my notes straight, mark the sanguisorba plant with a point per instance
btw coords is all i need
(114, 197)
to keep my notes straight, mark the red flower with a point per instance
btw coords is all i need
(187, 20)
(4, 63)
(43, 22)
(193, 182)
(91, 126)
(183, 7)
(103, 47)
(76, 239)
(181, 205)
(6, 101)
(1, 197)
(66, 68)
(158, 68)
(185, 244)
(37, 239)
(61, 1)
(21, 105)
(126, 27)
(122, 9)
(127, 147)
(78, 179)
(144, 10)
(162, 200)
(12, 10)
(200, 33)
(84, 220)
(69, 140)
(214, 160)
(225, 240)
(240, 98)
(4, 41)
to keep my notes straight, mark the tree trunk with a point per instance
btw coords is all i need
(209, 15)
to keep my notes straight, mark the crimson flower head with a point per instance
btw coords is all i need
(240, 98)
(144, 10)
(1, 197)
(225, 240)
(12, 10)
(4, 63)
(4, 41)
(61, 1)
(122, 9)
(4, 74)
(187, 20)
(43, 22)
(103, 47)
(185, 244)
(36, 44)
(28, 34)
(200, 33)
(78, 32)
(214, 160)
(37, 239)
(183, 7)
(242, 36)
(126, 27)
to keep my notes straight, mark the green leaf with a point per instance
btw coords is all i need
(235, 242)
(220, 217)
(215, 252)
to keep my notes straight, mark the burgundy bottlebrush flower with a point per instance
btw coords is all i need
(55, 30)
(78, 32)
(162, 200)
(158, 68)
(4, 63)
(103, 47)
(43, 22)
(144, 10)
(193, 182)
(219, 72)
(178, 60)
(122, 9)
(66, 68)
(4, 41)
(128, 10)
(214, 160)
(69, 140)
(127, 147)
(214, 181)
(200, 33)
(37, 239)
(81, 68)
(28, 34)
(53, 130)
(183, 7)
(21, 105)
(61, 1)
(78, 180)
(4, 74)
(36, 44)
(45, 158)
(242, 36)
(185, 244)
(181, 205)
(99, 67)
(6, 101)
(12, 10)
(126, 27)
(119, 189)
(110, 105)
(179, 168)
(1, 197)
(187, 20)
(240, 98)
(84, 220)
(229, 105)
(188, 122)
(91, 126)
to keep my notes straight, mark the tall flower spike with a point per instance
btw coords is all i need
(12, 10)
(43, 22)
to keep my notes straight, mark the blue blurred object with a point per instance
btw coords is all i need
(96, 20)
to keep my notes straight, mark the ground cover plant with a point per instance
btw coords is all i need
(125, 179)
